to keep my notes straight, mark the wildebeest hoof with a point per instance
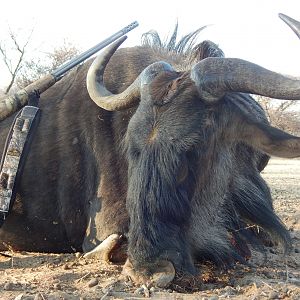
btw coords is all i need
(105, 250)
(159, 274)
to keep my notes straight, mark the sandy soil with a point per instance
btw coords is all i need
(42, 276)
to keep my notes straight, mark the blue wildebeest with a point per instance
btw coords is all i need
(165, 157)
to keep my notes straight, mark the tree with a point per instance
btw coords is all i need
(283, 114)
(26, 65)
(13, 52)
(62, 54)
(35, 68)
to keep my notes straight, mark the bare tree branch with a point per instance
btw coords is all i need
(281, 114)
(8, 61)
(36, 68)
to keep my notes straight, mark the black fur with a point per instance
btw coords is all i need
(187, 188)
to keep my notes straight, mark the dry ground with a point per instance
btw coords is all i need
(52, 276)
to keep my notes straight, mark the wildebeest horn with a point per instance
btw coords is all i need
(98, 92)
(214, 76)
(104, 98)
(293, 24)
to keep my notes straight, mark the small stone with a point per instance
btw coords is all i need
(67, 267)
(153, 289)
(213, 298)
(107, 292)
(19, 297)
(146, 291)
(38, 296)
(297, 250)
(8, 286)
(229, 290)
(273, 295)
(93, 282)
(57, 286)
(281, 274)
(268, 274)
(139, 291)
(129, 283)
(78, 254)
(238, 288)
(245, 281)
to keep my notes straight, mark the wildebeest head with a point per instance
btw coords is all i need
(182, 146)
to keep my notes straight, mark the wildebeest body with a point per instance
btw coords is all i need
(76, 146)
(176, 174)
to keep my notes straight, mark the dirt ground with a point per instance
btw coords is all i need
(42, 276)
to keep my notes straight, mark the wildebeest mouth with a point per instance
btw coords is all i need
(163, 273)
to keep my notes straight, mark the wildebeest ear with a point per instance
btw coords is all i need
(268, 139)
(205, 49)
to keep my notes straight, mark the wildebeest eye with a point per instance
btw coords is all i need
(134, 153)
(183, 172)
(171, 90)
(165, 86)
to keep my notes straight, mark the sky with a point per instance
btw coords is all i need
(245, 29)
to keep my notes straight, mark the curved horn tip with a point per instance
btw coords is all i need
(118, 42)
(102, 59)
(96, 88)
(292, 23)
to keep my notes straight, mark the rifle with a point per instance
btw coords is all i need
(12, 103)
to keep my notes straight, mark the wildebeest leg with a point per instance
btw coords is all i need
(107, 224)
(104, 251)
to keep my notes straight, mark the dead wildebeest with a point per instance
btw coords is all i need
(166, 158)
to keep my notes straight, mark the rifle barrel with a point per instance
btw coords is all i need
(12, 103)
(80, 58)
